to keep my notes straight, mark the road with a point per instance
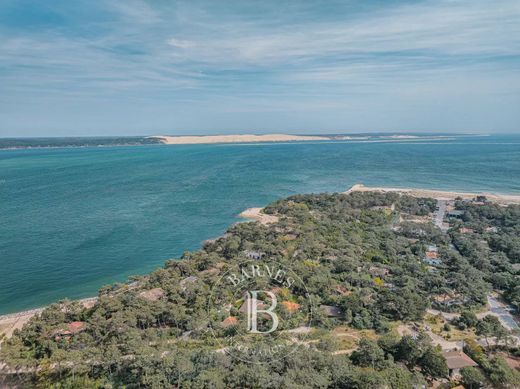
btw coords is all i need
(438, 216)
(498, 309)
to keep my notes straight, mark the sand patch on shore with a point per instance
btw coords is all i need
(257, 215)
(438, 194)
(13, 321)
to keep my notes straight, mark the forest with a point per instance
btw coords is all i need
(361, 253)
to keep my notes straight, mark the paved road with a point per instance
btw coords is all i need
(499, 310)
(438, 216)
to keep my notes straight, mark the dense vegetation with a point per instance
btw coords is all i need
(361, 253)
(9, 143)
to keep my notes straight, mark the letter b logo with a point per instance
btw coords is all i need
(252, 311)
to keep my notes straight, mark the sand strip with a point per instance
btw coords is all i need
(13, 321)
(438, 194)
(244, 138)
(257, 215)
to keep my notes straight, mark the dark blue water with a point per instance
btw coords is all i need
(72, 220)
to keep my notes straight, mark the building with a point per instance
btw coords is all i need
(431, 248)
(432, 261)
(456, 360)
(378, 271)
(188, 280)
(72, 329)
(229, 321)
(455, 214)
(152, 294)
(330, 310)
(431, 254)
(256, 255)
(291, 306)
(446, 300)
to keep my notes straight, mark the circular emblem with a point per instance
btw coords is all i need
(259, 311)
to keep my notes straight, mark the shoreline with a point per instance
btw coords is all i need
(499, 198)
(10, 322)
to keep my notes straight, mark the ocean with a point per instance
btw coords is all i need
(74, 219)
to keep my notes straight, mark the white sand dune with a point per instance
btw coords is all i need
(244, 138)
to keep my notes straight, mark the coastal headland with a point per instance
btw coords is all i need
(13, 321)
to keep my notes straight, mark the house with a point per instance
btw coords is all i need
(342, 290)
(291, 306)
(432, 262)
(432, 248)
(431, 254)
(493, 229)
(188, 280)
(152, 294)
(330, 310)
(229, 321)
(456, 360)
(72, 329)
(76, 327)
(465, 230)
(455, 214)
(256, 255)
(378, 271)
(445, 300)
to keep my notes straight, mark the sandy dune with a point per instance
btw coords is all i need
(184, 140)
(437, 194)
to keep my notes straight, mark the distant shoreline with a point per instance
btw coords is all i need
(159, 140)
(272, 138)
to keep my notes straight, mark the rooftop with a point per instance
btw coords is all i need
(458, 360)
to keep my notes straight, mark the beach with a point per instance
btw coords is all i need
(15, 321)
(257, 215)
(269, 138)
(438, 194)
(209, 139)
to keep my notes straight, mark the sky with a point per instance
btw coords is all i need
(137, 67)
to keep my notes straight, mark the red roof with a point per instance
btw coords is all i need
(229, 321)
(291, 306)
(75, 327)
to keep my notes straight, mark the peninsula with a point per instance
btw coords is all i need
(251, 138)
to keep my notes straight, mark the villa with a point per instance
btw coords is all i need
(456, 360)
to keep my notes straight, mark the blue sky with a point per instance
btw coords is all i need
(134, 67)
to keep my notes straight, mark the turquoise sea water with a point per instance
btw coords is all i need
(72, 220)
